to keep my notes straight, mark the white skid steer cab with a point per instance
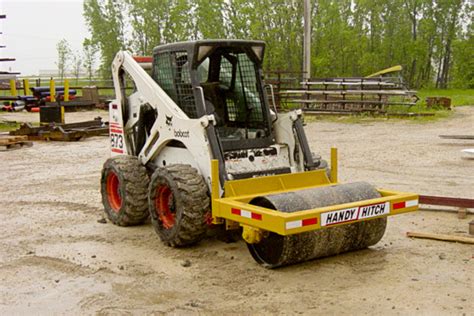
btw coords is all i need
(196, 144)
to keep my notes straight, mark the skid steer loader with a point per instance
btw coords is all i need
(198, 143)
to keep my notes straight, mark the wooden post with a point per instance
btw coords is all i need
(13, 91)
(66, 90)
(26, 87)
(307, 41)
(462, 213)
(52, 90)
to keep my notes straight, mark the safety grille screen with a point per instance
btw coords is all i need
(244, 104)
(172, 73)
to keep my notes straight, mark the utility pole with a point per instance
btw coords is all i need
(307, 41)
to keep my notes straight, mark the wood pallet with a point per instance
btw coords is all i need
(14, 142)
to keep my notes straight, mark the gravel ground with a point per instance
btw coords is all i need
(56, 258)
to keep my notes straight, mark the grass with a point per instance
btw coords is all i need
(459, 97)
(8, 126)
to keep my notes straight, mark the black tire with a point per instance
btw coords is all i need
(124, 185)
(179, 205)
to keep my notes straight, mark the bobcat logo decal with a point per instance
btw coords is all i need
(169, 120)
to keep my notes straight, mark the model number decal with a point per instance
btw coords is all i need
(116, 138)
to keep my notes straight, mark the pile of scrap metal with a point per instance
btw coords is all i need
(17, 103)
(442, 102)
(43, 93)
(71, 104)
(40, 96)
(64, 132)
(90, 100)
(352, 94)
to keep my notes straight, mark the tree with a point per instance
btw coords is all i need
(107, 23)
(209, 19)
(145, 17)
(463, 61)
(64, 53)
(76, 65)
(89, 51)
(431, 39)
(449, 14)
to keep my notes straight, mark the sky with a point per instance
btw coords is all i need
(32, 29)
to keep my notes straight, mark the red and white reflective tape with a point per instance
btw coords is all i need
(246, 214)
(301, 223)
(405, 204)
(115, 128)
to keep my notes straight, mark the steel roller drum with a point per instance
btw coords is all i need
(276, 250)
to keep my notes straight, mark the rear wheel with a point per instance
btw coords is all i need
(124, 185)
(179, 205)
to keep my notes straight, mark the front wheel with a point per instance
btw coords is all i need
(179, 205)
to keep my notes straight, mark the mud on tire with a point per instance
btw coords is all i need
(124, 185)
(178, 202)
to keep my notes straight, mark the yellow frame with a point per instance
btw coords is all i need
(238, 193)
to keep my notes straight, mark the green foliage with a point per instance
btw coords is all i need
(107, 24)
(156, 22)
(6, 126)
(209, 19)
(431, 39)
(463, 65)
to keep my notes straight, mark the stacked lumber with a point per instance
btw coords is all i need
(14, 142)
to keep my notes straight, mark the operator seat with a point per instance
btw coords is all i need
(215, 98)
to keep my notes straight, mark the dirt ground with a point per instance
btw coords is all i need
(56, 258)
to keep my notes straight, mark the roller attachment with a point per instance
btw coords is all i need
(276, 250)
